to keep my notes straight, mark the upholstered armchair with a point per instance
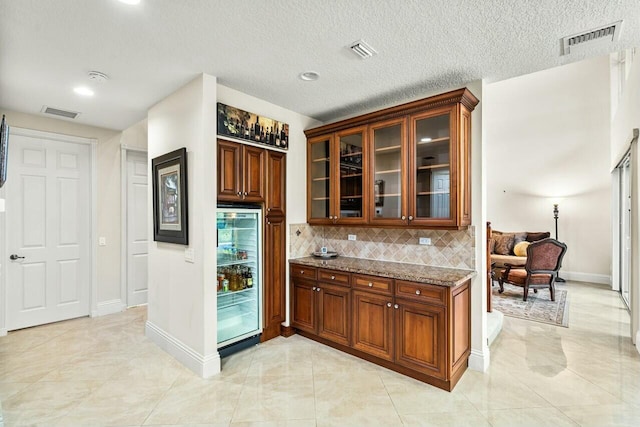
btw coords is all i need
(544, 259)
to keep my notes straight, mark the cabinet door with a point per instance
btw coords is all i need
(253, 173)
(420, 332)
(274, 276)
(372, 322)
(303, 307)
(388, 177)
(432, 153)
(276, 183)
(229, 164)
(319, 180)
(333, 313)
(351, 195)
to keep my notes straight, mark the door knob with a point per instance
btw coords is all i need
(14, 257)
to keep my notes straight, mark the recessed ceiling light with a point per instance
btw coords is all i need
(427, 139)
(131, 2)
(309, 76)
(83, 91)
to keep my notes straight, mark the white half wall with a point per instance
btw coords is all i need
(548, 138)
(182, 303)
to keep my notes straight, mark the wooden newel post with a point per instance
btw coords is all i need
(489, 280)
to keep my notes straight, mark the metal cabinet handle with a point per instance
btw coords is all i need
(313, 289)
(14, 257)
(370, 284)
(239, 193)
(301, 271)
(396, 306)
(333, 277)
(245, 193)
(318, 289)
(403, 217)
(389, 304)
(330, 216)
(418, 292)
(268, 209)
(410, 216)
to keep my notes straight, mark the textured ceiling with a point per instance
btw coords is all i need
(260, 47)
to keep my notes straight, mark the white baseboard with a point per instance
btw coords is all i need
(109, 307)
(586, 277)
(205, 366)
(638, 341)
(495, 319)
(479, 361)
(3, 332)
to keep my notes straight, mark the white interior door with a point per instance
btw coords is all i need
(137, 231)
(48, 229)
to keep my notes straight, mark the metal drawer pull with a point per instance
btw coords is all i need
(313, 289)
(417, 291)
(370, 284)
(301, 271)
(245, 193)
(318, 289)
(333, 277)
(389, 304)
(403, 217)
(396, 306)
(410, 216)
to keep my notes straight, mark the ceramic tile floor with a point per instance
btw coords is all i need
(103, 371)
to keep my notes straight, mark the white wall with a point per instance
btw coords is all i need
(627, 117)
(296, 155)
(548, 137)
(109, 298)
(182, 303)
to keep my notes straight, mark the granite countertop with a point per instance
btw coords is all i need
(396, 270)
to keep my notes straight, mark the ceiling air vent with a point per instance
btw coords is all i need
(606, 33)
(362, 49)
(59, 112)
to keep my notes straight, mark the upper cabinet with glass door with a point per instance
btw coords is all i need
(415, 165)
(337, 177)
(320, 180)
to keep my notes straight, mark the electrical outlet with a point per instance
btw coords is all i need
(102, 241)
(425, 240)
(351, 237)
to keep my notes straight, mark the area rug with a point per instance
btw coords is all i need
(538, 307)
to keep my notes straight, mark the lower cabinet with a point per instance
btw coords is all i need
(320, 309)
(372, 324)
(420, 332)
(274, 276)
(417, 329)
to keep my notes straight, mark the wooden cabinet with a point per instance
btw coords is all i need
(276, 197)
(241, 172)
(418, 329)
(320, 308)
(372, 324)
(274, 289)
(337, 190)
(252, 174)
(415, 166)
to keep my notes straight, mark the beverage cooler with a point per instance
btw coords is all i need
(239, 281)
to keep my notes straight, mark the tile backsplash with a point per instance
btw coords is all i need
(449, 248)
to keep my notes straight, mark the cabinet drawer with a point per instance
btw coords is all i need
(303, 271)
(372, 283)
(421, 292)
(331, 276)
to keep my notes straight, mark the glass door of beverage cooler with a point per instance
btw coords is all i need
(239, 278)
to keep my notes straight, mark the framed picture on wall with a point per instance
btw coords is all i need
(170, 219)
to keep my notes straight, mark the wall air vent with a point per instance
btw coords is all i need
(362, 49)
(59, 112)
(606, 33)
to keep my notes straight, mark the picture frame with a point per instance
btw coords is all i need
(170, 201)
(236, 123)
